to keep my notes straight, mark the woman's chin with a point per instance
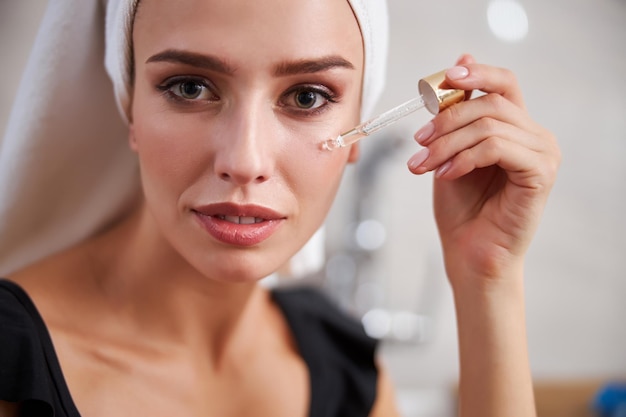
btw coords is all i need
(239, 272)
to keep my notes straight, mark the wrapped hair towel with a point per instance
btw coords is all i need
(66, 170)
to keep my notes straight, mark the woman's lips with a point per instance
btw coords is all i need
(238, 225)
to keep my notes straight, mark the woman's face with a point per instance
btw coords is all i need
(232, 99)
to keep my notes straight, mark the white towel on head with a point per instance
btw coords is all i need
(66, 170)
(373, 21)
(119, 24)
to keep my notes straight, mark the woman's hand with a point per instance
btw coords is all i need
(494, 167)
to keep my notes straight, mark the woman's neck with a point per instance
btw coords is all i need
(140, 270)
(139, 285)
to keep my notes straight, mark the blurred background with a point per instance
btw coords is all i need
(383, 259)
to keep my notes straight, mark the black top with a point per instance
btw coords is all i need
(338, 354)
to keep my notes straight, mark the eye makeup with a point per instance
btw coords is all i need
(187, 90)
(300, 100)
(308, 99)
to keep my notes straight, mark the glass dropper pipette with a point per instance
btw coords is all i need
(374, 124)
(432, 96)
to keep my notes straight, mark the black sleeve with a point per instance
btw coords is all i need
(26, 375)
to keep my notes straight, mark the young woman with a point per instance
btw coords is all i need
(159, 313)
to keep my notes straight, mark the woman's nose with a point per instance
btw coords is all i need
(244, 154)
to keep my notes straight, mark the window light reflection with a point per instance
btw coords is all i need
(507, 20)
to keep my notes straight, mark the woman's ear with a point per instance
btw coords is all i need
(355, 153)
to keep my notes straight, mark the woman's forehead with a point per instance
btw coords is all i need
(248, 30)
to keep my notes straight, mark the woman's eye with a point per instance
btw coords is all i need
(308, 98)
(191, 90)
(188, 90)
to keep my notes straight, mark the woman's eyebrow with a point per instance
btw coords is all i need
(309, 66)
(193, 59)
(285, 68)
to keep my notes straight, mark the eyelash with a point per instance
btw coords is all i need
(167, 86)
(327, 94)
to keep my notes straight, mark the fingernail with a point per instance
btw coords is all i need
(457, 73)
(425, 132)
(418, 159)
(443, 169)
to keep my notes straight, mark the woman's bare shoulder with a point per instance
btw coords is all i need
(55, 267)
(51, 281)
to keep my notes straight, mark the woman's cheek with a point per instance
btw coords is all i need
(167, 153)
(318, 174)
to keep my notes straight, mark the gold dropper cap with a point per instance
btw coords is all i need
(435, 98)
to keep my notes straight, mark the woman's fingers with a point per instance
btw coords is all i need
(490, 106)
(445, 148)
(465, 59)
(472, 76)
(493, 129)
(510, 156)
